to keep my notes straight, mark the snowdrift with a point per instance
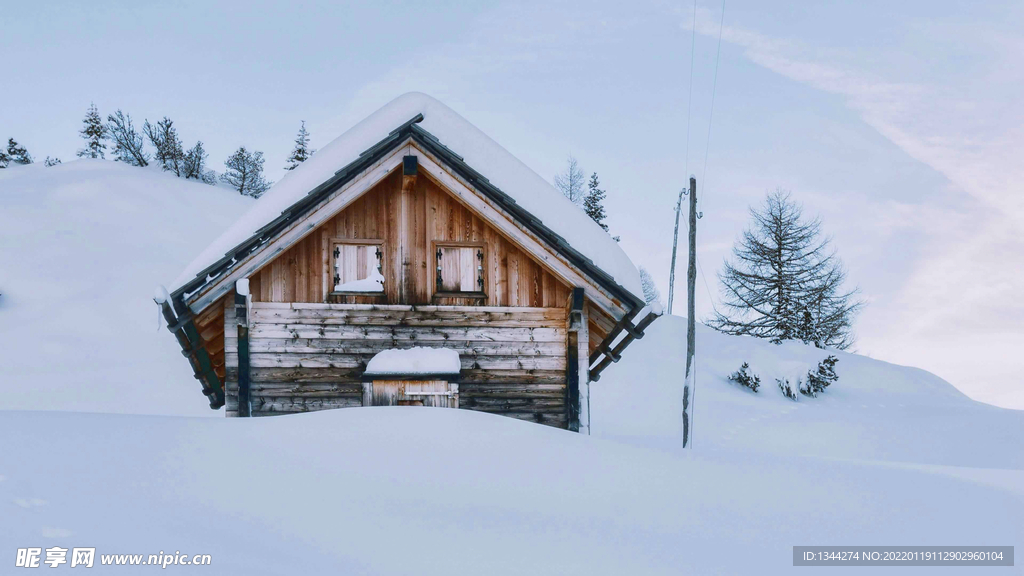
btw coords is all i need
(82, 246)
(876, 411)
(407, 490)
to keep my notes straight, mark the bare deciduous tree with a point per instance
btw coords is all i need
(194, 165)
(127, 142)
(570, 182)
(169, 151)
(786, 282)
(245, 173)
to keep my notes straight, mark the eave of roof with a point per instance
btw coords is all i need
(430, 143)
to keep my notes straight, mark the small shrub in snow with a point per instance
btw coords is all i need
(17, 153)
(743, 377)
(788, 390)
(818, 380)
(245, 173)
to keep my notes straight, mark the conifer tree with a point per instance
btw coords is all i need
(51, 161)
(245, 173)
(593, 203)
(301, 152)
(786, 283)
(94, 132)
(4, 158)
(128, 145)
(18, 154)
(650, 288)
(164, 137)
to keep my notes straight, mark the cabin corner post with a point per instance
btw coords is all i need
(577, 365)
(242, 321)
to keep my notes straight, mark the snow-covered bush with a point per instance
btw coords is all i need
(788, 389)
(743, 377)
(818, 380)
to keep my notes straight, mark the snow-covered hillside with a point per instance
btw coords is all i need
(82, 247)
(876, 411)
(887, 455)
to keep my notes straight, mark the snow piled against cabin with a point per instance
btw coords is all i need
(411, 490)
(416, 360)
(484, 155)
(82, 246)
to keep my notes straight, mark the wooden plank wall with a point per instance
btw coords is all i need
(210, 325)
(311, 356)
(512, 278)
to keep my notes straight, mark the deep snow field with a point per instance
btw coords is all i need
(83, 245)
(888, 455)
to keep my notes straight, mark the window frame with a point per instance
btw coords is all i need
(332, 244)
(479, 294)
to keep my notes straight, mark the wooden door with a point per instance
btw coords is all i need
(437, 393)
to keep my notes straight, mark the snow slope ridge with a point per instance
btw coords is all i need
(82, 246)
(876, 410)
(407, 490)
(484, 155)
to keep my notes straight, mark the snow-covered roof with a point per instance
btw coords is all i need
(515, 179)
(413, 361)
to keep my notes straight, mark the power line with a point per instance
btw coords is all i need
(706, 287)
(686, 165)
(714, 87)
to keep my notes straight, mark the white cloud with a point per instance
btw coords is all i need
(960, 311)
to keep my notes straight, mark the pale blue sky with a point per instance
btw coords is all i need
(900, 123)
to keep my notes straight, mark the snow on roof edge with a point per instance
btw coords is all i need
(479, 151)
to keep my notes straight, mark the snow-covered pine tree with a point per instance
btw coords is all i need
(818, 380)
(18, 153)
(593, 203)
(744, 377)
(570, 182)
(245, 173)
(301, 152)
(128, 144)
(94, 132)
(651, 294)
(164, 137)
(51, 161)
(4, 158)
(193, 165)
(786, 282)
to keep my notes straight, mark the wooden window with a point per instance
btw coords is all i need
(357, 266)
(459, 270)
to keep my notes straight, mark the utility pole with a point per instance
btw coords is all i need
(691, 284)
(675, 244)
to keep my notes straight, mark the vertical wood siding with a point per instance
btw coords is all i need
(512, 278)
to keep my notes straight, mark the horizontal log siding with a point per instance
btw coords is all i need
(311, 356)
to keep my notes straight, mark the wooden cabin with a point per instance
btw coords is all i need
(412, 230)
